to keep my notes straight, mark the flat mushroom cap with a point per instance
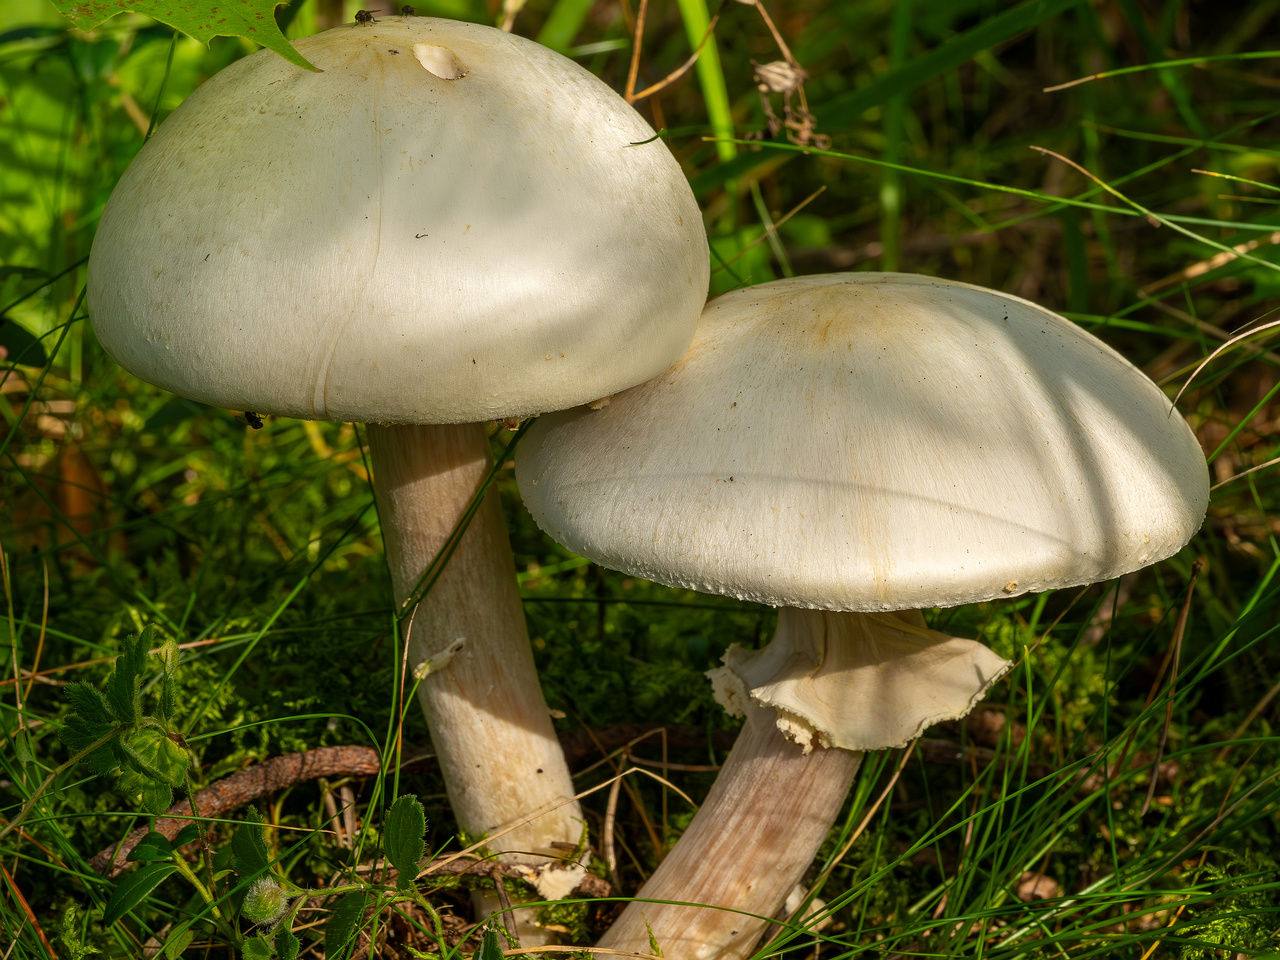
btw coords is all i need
(874, 442)
(448, 224)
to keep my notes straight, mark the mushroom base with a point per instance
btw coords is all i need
(489, 723)
(750, 843)
(825, 687)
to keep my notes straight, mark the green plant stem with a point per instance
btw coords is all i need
(189, 787)
(710, 76)
(207, 896)
(48, 781)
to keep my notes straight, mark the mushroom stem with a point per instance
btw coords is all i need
(835, 684)
(489, 722)
(749, 844)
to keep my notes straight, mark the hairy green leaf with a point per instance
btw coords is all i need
(201, 19)
(287, 944)
(89, 703)
(122, 688)
(169, 679)
(655, 948)
(155, 798)
(257, 948)
(152, 756)
(343, 920)
(403, 838)
(186, 835)
(249, 846)
(490, 947)
(91, 721)
(73, 945)
(133, 889)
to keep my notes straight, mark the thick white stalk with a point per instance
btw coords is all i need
(749, 844)
(489, 722)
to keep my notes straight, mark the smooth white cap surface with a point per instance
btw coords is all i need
(448, 224)
(874, 442)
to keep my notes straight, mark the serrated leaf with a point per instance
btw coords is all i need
(177, 942)
(249, 846)
(287, 945)
(91, 721)
(133, 889)
(153, 846)
(124, 684)
(200, 19)
(186, 835)
(343, 920)
(89, 703)
(403, 838)
(490, 947)
(257, 948)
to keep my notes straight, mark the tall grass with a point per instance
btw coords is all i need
(1100, 803)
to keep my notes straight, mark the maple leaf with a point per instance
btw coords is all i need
(200, 19)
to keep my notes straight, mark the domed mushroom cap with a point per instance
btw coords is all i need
(874, 442)
(448, 224)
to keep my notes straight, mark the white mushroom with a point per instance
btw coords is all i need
(845, 447)
(446, 225)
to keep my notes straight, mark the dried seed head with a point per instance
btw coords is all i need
(779, 76)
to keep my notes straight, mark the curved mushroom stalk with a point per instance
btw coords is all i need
(492, 732)
(751, 841)
(838, 682)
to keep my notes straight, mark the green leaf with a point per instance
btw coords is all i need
(490, 947)
(287, 944)
(20, 345)
(153, 846)
(177, 942)
(123, 687)
(91, 721)
(186, 835)
(89, 703)
(200, 19)
(655, 949)
(249, 847)
(257, 948)
(22, 746)
(155, 798)
(169, 680)
(343, 920)
(133, 889)
(403, 838)
(73, 945)
(157, 758)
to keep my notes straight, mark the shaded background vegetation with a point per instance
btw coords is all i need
(1033, 829)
